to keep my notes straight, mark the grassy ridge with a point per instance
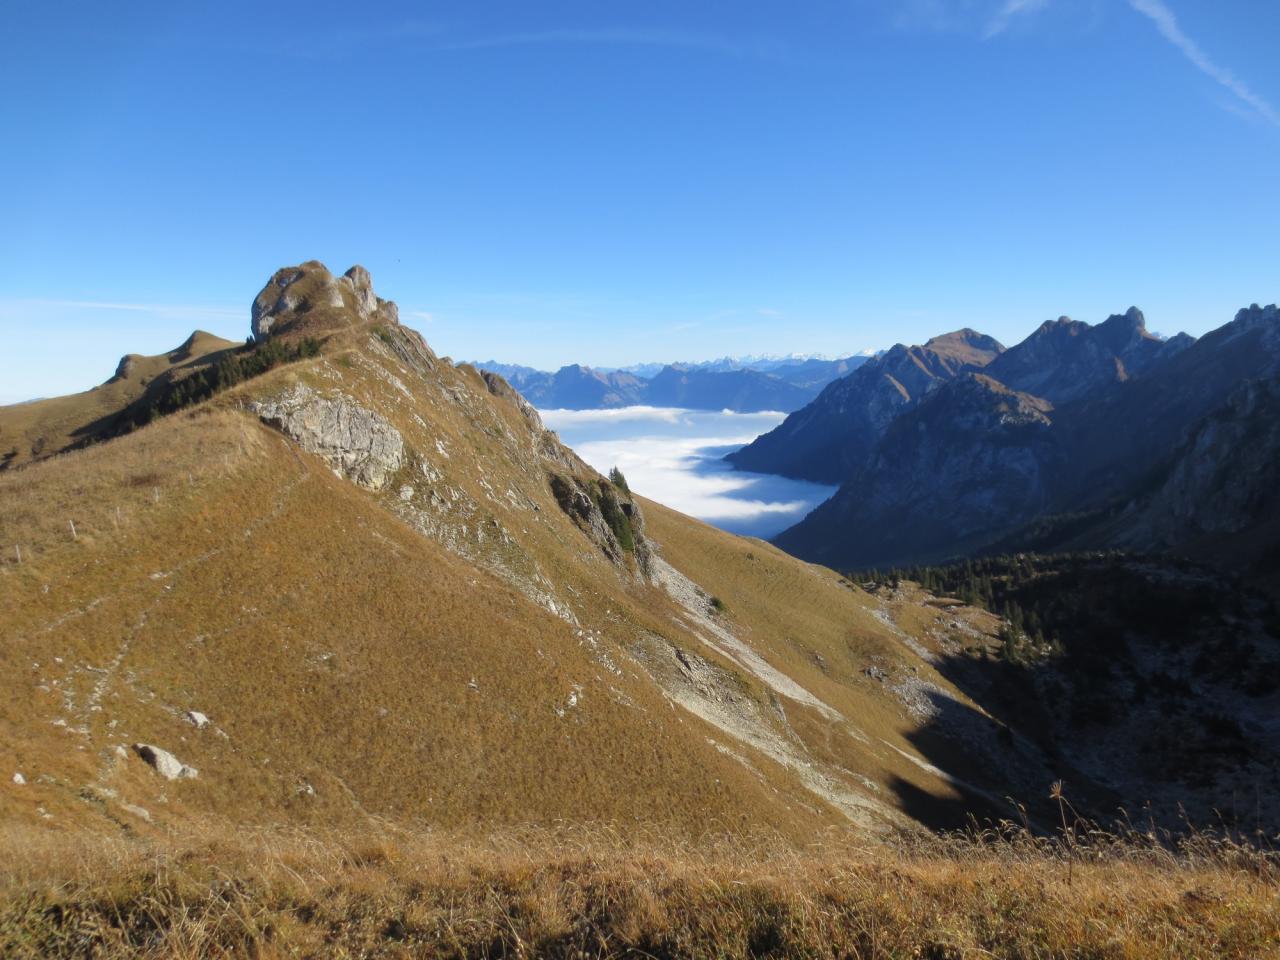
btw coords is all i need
(590, 894)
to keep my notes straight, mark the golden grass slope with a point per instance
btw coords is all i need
(449, 650)
(41, 428)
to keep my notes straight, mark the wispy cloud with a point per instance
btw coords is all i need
(175, 310)
(627, 36)
(641, 413)
(1008, 12)
(1167, 23)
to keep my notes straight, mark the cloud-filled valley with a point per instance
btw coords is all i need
(675, 456)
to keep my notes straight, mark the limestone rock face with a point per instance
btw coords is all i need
(309, 297)
(165, 763)
(361, 444)
(357, 279)
(499, 387)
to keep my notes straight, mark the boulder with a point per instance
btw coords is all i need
(165, 763)
(197, 719)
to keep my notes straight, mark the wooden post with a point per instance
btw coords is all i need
(18, 550)
(74, 535)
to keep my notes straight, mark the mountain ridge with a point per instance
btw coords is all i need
(823, 440)
(1122, 411)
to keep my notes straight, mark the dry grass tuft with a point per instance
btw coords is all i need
(590, 893)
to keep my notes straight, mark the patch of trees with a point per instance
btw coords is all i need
(1083, 610)
(233, 367)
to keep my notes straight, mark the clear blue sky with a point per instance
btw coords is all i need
(546, 182)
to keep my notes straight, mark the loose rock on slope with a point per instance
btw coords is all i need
(165, 763)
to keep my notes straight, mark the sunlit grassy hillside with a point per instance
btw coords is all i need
(451, 648)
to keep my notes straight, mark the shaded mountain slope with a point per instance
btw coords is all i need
(1136, 443)
(1066, 359)
(834, 434)
(966, 464)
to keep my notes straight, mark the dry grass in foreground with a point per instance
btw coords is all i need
(391, 894)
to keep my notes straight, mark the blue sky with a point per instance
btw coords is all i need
(546, 182)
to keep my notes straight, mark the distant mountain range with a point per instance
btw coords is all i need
(1079, 437)
(747, 384)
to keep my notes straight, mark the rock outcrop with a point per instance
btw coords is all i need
(609, 515)
(359, 443)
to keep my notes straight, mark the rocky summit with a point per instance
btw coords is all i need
(308, 296)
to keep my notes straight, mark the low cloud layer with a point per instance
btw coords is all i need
(675, 456)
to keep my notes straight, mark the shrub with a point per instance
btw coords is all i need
(614, 516)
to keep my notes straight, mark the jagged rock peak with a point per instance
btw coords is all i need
(1255, 314)
(308, 295)
(1132, 319)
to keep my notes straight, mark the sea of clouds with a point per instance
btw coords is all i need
(675, 456)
